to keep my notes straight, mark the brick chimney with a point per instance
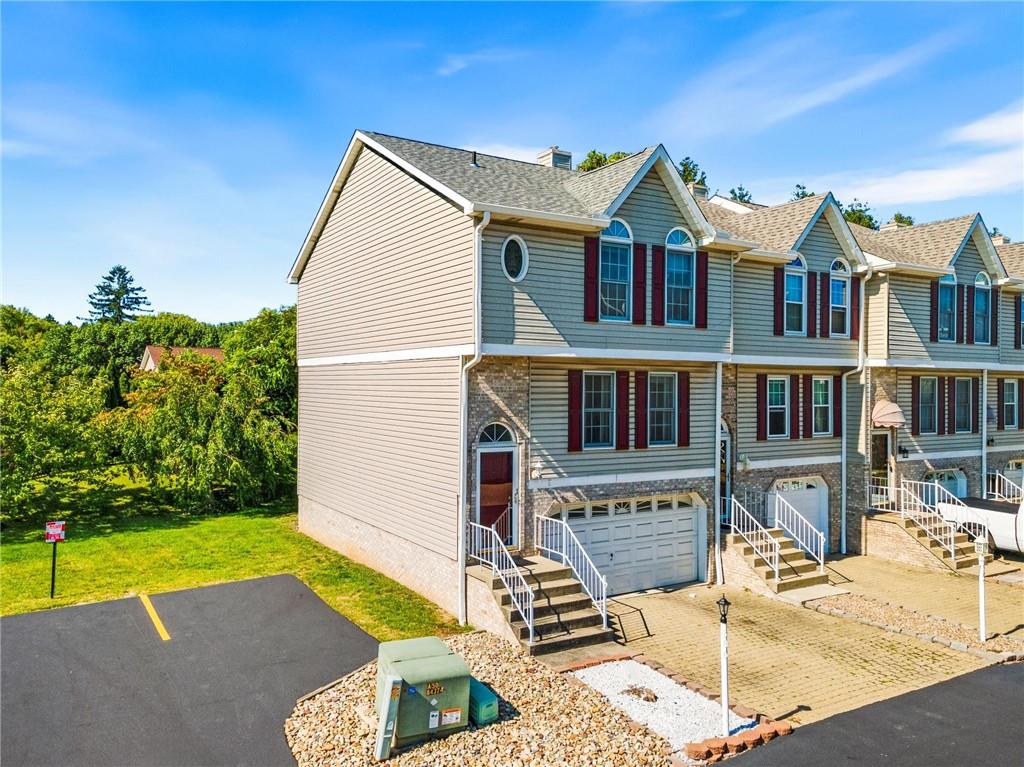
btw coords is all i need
(699, 191)
(554, 157)
(1000, 239)
(891, 226)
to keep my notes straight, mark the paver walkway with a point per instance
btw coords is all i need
(953, 597)
(786, 661)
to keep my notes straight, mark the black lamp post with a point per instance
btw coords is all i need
(723, 609)
(723, 635)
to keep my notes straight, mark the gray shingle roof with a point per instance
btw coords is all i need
(870, 242)
(932, 244)
(776, 228)
(1012, 256)
(597, 189)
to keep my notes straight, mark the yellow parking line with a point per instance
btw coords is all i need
(157, 623)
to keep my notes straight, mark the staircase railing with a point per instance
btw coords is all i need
(1000, 487)
(486, 546)
(914, 506)
(555, 537)
(503, 525)
(757, 536)
(806, 535)
(959, 513)
(880, 494)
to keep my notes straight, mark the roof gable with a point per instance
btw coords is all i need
(978, 233)
(833, 216)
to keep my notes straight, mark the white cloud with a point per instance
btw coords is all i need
(456, 62)
(511, 151)
(1000, 128)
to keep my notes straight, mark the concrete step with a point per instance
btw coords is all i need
(798, 582)
(792, 566)
(544, 605)
(559, 624)
(786, 546)
(537, 574)
(736, 538)
(556, 588)
(581, 637)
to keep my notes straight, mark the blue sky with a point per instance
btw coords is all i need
(194, 142)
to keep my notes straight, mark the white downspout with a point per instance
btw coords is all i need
(861, 342)
(984, 432)
(719, 576)
(464, 406)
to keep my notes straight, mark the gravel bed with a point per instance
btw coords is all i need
(680, 715)
(909, 621)
(545, 719)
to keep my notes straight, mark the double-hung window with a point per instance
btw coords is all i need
(679, 258)
(963, 404)
(1010, 406)
(839, 299)
(661, 408)
(821, 400)
(778, 406)
(616, 271)
(928, 405)
(796, 297)
(598, 410)
(947, 308)
(982, 309)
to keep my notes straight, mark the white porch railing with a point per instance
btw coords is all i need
(999, 487)
(503, 526)
(486, 546)
(959, 513)
(880, 495)
(914, 506)
(555, 537)
(806, 535)
(764, 544)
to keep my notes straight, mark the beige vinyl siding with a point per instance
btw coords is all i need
(969, 263)
(393, 269)
(1008, 439)
(856, 432)
(931, 443)
(546, 307)
(549, 424)
(776, 449)
(379, 442)
(876, 297)
(1007, 354)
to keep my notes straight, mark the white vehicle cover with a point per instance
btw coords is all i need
(1005, 521)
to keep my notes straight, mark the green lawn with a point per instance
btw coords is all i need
(112, 552)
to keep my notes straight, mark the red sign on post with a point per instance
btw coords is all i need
(54, 532)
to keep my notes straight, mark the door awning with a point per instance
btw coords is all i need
(888, 415)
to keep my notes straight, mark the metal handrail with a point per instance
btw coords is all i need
(764, 544)
(924, 515)
(810, 538)
(962, 515)
(554, 536)
(1001, 488)
(485, 545)
(880, 495)
(503, 524)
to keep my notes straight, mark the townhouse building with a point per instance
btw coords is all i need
(499, 357)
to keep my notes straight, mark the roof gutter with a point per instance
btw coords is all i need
(584, 222)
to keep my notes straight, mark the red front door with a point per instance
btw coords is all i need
(495, 485)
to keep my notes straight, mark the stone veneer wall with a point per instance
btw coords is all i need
(998, 459)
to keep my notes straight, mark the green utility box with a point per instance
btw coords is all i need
(422, 692)
(483, 703)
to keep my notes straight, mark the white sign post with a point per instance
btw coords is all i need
(981, 549)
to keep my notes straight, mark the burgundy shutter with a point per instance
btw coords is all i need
(1000, 424)
(683, 409)
(762, 406)
(970, 314)
(702, 289)
(1016, 321)
(780, 300)
(837, 406)
(935, 311)
(812, 305)
(950, 404)
(940, 406)
(808, 406)
(855, 309)
(1020, 404)
(960, 314)
(657, 284)
(639, 283)
(590, 282)
(622, 410)
(575, 411)
(640, 409)
(826, 306)
(794, 407)
(994, 335)
(915, 400)
(975, 400)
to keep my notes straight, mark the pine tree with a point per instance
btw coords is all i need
(800, 192)
(117, 298)
(740, 194)
(691, 172)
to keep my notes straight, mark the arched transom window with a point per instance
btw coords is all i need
(616, 272)
(679, 271)
(496, 433)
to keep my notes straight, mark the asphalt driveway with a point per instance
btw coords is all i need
(977, 718)
(97, 685)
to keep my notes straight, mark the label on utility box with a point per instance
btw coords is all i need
(451, 716)
(432, 723)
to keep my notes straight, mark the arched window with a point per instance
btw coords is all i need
(515, 258)
(839, 299)
(947, 308)
(796, 297)
(679, 270)
(982, 309)
(616, 272)
(496, 433)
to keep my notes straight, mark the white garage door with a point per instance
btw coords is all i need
(641, 543)
(809, 496)
(954, 480)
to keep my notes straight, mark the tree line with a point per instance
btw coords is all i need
(203, 433)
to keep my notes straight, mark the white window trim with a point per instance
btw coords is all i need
(948, 281)
(1011, 385)
(583, 409)
(628, 318)
(799, 271)
(526, 258)
(768, 406)
(691, 253)
(843, 276)
(970, 404)
(828, 388)
(935, 405)
(675, 410)
(982, 283)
